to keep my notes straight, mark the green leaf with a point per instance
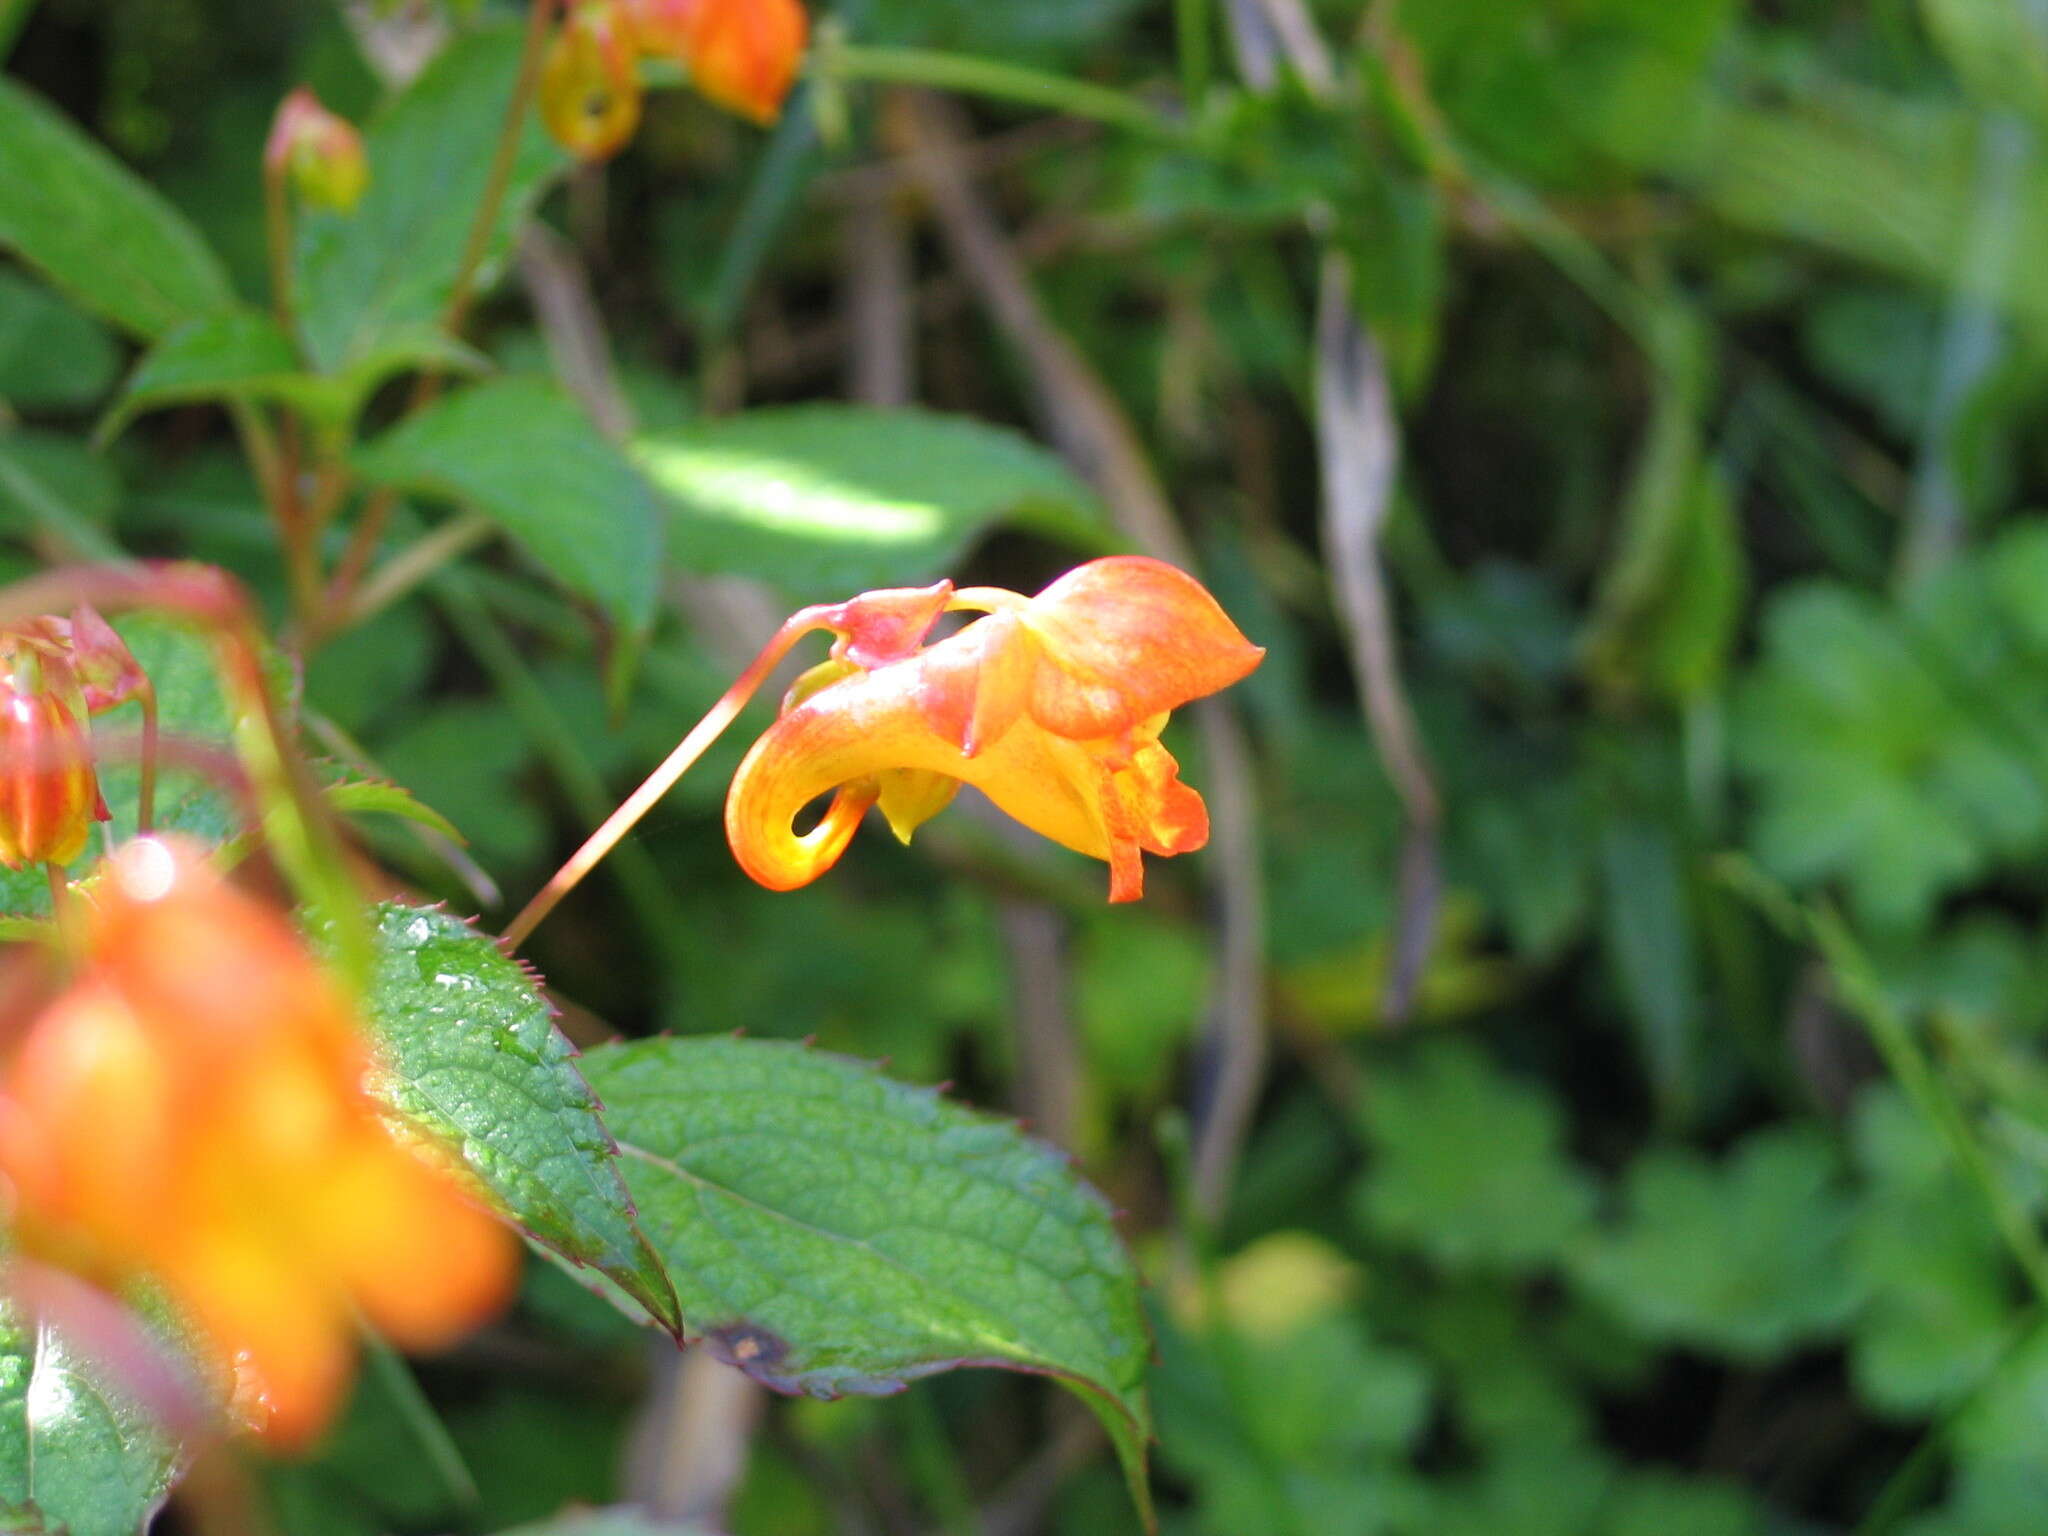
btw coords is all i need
(52, 486)
(242, 354)
(830, 1231)
(391, 264)
(474, 1056)
(1470, 1166)
(1649, 943)
(1940, 1308)
(827, 500)
(1745, 1258)
(51, 356)
(523, 454)
(95, 229)
(73, 1445)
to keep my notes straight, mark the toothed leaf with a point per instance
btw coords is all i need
(830, 1231)
(473, 1057)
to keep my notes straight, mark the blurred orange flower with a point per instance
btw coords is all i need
(53, 673)
(742, 54)
(1051, 706)
(590, 81)
(191, 1111)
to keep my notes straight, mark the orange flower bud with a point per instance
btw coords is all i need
(742, 54)
(320, 152)
(1051, 706)
(590, 81)
(192, 1112)
(49, 794)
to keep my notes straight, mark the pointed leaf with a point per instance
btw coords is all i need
(94, 228)
(392, 263)
(828, 500)
(473, 1056)
(523, 454)
(830, 1231)
(242, 354)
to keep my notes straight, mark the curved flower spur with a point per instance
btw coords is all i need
(1050, 705)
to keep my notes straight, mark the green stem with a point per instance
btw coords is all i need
(414, 564)
(1191, 21)
(1000, 82)
(145, 799)
(402, 1390)
(1930, 1095)
(503, 157)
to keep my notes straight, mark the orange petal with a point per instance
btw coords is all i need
(910, 797)
(424, 1264)
(877, 628)
(1145, 806)
(589, 91)
(743, 54)
(1126, 638)
(284, 1332)
(977, 684)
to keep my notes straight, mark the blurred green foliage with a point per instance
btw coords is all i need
(1722, 584)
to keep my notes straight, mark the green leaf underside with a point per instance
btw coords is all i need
(829, 1231)
(828, 500)
(96, 230)
(73, 1447)
(391, 264)
(521, 452)
(191, 707)
(473, 1057)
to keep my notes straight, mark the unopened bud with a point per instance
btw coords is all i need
(590, 81)
(321, 153)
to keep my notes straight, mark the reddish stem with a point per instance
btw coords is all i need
(663, 779)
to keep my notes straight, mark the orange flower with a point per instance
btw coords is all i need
(49, 793)
(742, 54)
(1051, 706)
(590, 81)
(192, 1111)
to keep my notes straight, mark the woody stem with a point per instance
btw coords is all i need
(659, 782)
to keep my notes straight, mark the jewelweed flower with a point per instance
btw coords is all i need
(191, 1111)
(54, 672)
(590, 81)
(741, 54)
(321, 153)
(49, 793)
(1050, 705)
